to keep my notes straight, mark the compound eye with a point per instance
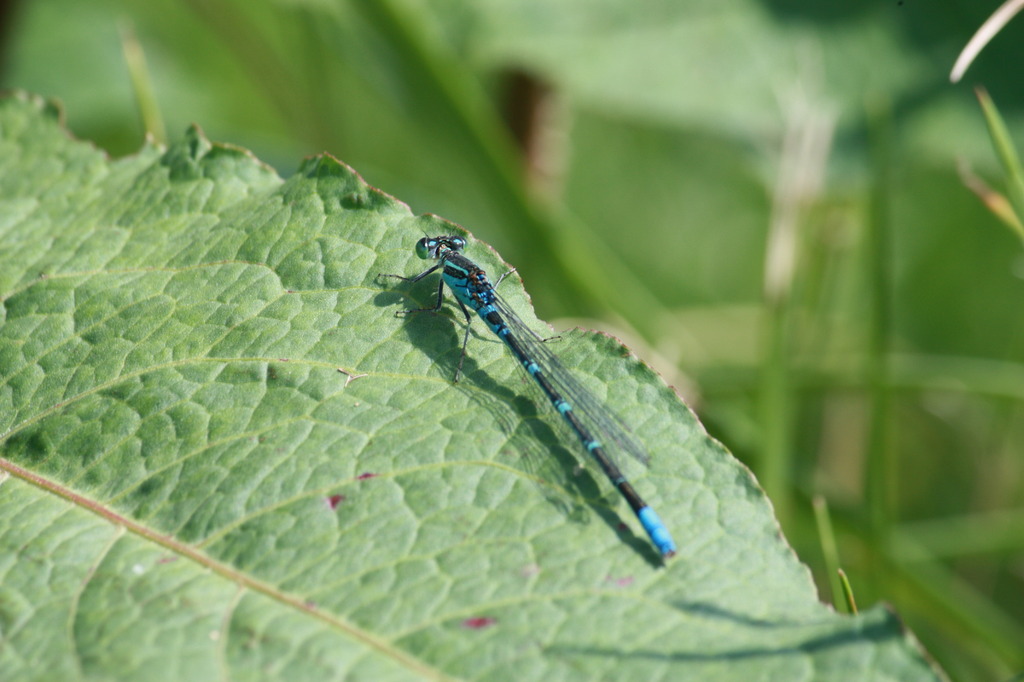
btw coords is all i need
(457, 243)
(425, 247)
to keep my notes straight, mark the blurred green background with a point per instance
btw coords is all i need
(763, 198)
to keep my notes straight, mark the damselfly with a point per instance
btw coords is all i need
(588, 419)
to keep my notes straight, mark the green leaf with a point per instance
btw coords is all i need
(224, 456)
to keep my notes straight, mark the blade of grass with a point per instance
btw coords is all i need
(142, 84)
(804, 154)
(880, 485)
(995, 202)
(826, 534)
(851, 603)
(1004, 148)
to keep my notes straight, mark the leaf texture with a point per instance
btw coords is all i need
(224, 456)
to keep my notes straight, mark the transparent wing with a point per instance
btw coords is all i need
(605, 425)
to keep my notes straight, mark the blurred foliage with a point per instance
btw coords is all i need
(762, 197)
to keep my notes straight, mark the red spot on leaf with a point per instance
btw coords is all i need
(620, 582)
(334, 500)
(363, 477)
(479, 623)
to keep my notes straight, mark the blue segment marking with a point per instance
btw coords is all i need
(578, 407)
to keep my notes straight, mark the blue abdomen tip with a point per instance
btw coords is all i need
(657, 530)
